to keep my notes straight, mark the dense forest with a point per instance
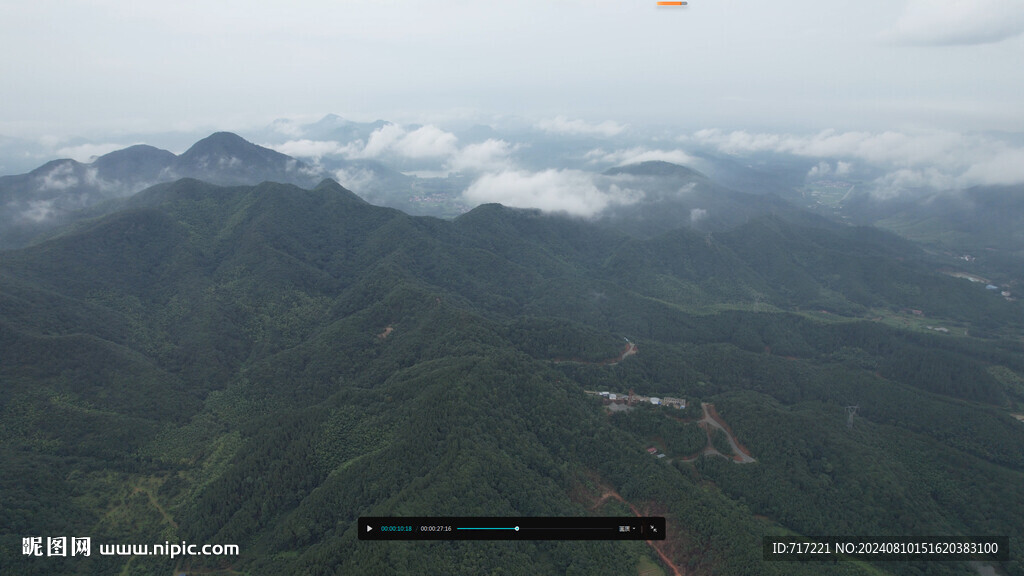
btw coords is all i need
(262, 365)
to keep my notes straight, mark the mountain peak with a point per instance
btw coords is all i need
(655, 168)
(220, 143)
(332, 119)
(228, 153)
(59, 164)
(133, 159)
(329, 185)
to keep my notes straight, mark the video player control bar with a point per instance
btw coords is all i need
(512, 528)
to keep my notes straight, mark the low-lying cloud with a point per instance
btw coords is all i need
(356, 179)
(638, 154)
(895, 183)
(1003, 167)
(63, 176)
(424, 142)
(490, 155)
(571, 192)
(38, 210)
(929, 159)
(884, 147)
(823, 169)
(310, 148)
(563, 125)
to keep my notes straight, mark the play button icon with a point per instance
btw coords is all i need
(376, 528)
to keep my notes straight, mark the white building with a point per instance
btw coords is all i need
(677, 402)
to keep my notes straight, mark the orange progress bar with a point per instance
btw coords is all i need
(671, 3)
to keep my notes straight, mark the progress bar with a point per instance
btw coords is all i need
(511, 528)
(671, 3)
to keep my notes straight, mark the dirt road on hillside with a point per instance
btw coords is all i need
(609, 493)
(711, 421)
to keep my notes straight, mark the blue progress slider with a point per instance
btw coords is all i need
(511, 528)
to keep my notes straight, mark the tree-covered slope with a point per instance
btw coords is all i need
(262, 365)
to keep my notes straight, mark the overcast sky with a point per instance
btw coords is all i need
(77, 67)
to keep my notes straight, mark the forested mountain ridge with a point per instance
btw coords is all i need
(55, 193)
(261, 365)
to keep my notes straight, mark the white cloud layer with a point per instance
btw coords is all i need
(638, 154)
(427, 142)
(1004, 167)
(929, 159)
(824, 169)
(309, 148)
(355, 179)
(563, 125)
(567, 191)
(879, 148)
(821, 170)
(424, 142)
(958, 22)
(491, 155)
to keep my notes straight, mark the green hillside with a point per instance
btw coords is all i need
(262, 365)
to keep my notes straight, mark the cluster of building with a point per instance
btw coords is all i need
(632, 399)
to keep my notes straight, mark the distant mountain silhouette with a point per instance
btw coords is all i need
(224, 154)
(135, 162)
(658, 168)
(334, 127)
(675, 196)
(42, 199)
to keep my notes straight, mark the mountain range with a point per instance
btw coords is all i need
(35, 204)
(48, 196)
(262, 364)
